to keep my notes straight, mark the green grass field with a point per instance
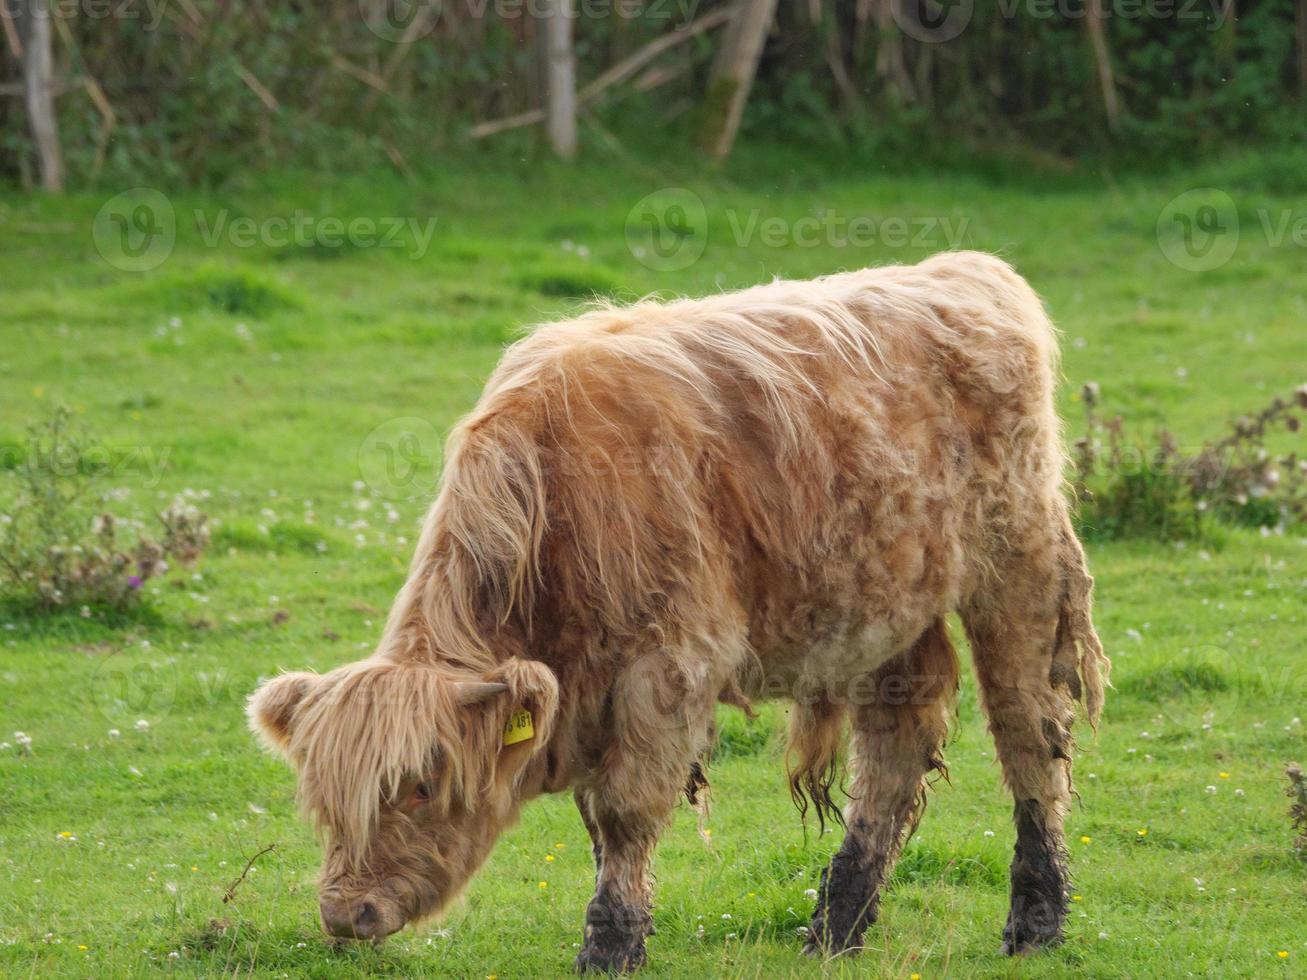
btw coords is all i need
(254, 378)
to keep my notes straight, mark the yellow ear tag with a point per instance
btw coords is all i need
(518, 728)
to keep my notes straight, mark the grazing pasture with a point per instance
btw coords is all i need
(263, 381)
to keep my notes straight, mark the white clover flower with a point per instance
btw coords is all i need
(142, 725)
(114, 733)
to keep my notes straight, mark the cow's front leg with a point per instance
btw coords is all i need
(619, 917)
(582, 798)
(661, 712)
(899, 726)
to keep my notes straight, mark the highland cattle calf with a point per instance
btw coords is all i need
(780, 492)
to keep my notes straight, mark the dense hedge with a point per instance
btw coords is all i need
(200, 88)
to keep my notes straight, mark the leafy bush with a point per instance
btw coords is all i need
(60, 548)
(1157, 490)
(210, 91)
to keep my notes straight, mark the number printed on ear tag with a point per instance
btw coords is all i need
(518, 728)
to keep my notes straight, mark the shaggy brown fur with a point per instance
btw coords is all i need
(780, 492)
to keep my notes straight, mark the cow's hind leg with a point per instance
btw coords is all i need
(1035, 653)
(899, 720)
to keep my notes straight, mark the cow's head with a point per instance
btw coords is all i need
(404, 769)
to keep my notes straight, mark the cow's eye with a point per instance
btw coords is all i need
(421, 792)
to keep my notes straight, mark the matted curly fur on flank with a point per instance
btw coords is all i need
(779, 492)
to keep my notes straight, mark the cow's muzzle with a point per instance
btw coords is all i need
(361, 919)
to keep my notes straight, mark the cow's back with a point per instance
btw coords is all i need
(808, 466)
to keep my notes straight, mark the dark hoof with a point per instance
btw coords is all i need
(624, 958)
(819, 952)
(1028, 945)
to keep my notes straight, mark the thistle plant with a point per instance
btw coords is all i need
(1156, 489)
(60, 546)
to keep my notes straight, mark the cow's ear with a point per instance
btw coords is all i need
(529, 702)
(271, 709)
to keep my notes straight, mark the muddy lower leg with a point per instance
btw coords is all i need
(618, 918)
(1030, 717)
(898, 733)
(1039, 880)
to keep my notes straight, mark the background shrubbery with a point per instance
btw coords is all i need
(60, 545)
(1158, 490)
(215, 86)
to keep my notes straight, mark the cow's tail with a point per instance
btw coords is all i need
(816, 739)
(1078, 657)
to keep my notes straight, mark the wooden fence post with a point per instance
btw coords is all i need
(732, 75)
(1094, 16)
(560, 76)
(38, 90)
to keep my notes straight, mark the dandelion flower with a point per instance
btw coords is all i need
(82, 947)
(1086, 840)
(542, 885)
(559, 846)
(1077, 898)
(549, 858)
(1283, 954)
(1142, 831)
(1224, 775)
